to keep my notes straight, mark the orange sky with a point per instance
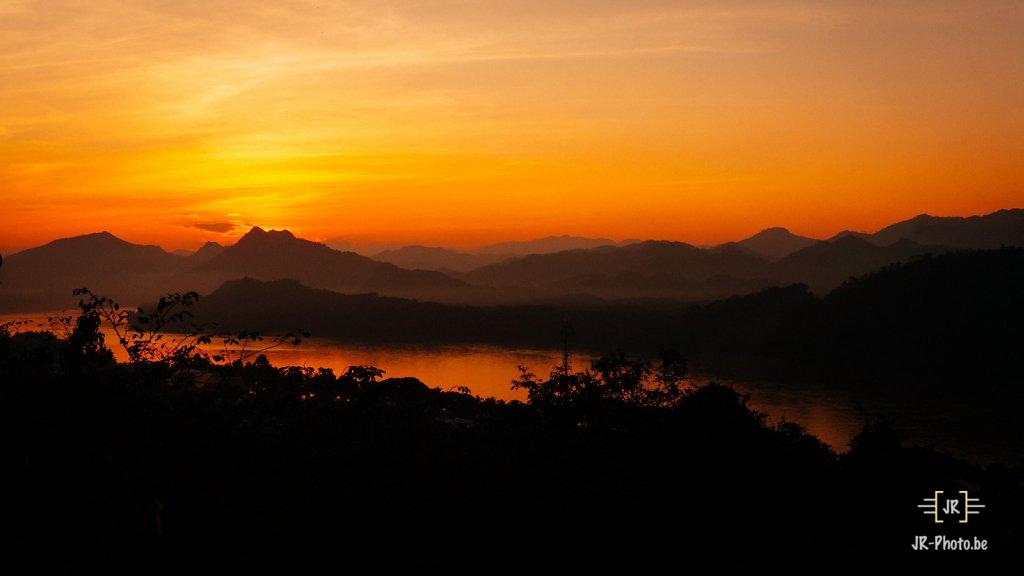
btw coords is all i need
(462, 123)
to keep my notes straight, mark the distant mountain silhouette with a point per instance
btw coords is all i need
(775, 243)
(361, 248)
(205, 253)
(826, 264)
(43, 277)
(439, 259)
(182, 252)
(651, 268)
(273, 255)
(544, 245)
(90, 252)
(851, 233)
(450, 260)
(676, 269)
(1002, 228)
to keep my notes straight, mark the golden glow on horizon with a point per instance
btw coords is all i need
(461, 123)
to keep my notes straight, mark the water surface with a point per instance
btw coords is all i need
(835, 415)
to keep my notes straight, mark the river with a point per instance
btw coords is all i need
(833, 415)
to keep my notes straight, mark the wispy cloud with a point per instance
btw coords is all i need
(457, 116)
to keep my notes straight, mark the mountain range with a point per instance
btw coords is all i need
(907, 323)
(456, 261)
(279, 254)
(1000, 228)
(775, 243)
(439, 259)
(42, 278)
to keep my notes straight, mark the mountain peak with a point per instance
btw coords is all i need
(845, 233)
(774, 231)
(103, 238)
(850, 240)
(206, 252)
(775, 242)
(259, 234)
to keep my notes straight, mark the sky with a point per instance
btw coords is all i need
(461, 123)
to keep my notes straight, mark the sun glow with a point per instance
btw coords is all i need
(462, 125)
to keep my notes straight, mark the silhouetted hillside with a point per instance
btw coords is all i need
(544, 245)
(279, 254)
(679, 270)
(960, 315)
(205, 253)
(935, 319)
(99, 253)
(284, 305)
(651, 268)
(775, 243)
(500, 250)
(825, 265)
(43, 277)
(940, 318)
(851, 233)
(1002, 228)
(439, 259)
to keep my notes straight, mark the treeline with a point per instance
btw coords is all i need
(180, 462)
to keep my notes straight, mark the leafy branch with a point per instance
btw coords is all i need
(238, 347)
(144, 336)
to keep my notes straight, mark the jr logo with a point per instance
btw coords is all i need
(960, 507)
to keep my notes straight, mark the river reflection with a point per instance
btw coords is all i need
(834, 416)
(488, 372)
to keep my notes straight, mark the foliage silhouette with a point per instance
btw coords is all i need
(173, 464)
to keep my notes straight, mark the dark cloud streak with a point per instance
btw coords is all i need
(218, 227)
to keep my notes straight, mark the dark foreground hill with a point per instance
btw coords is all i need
(183, 466)
(284, 305)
